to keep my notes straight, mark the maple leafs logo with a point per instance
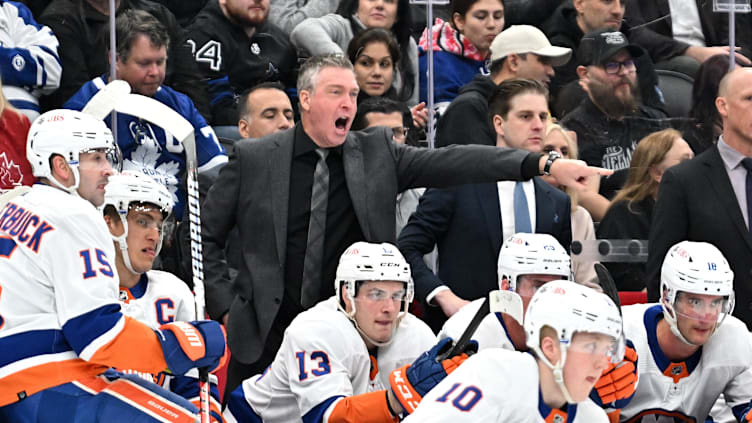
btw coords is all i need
(144, 159)
(10, 173)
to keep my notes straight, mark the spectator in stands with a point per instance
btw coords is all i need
(611, 119)
(561, 140)
(15, 168)
(468, 223)
(520, 51)
(381, 111)
(708, 198)
(461, 47)
(631, 210)
(332, 34)
(79, 26)
(287, 14)
(375, 55)
(573, 19)
(141, 61)
(29, 63)
(703, 130)
(264, 109)
(688, 32)
(236, 48)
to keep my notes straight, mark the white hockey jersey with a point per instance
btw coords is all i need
(491, 333)
(324, 358)
(60, 318)
(686, 391)
(497, 385)
(159, 298)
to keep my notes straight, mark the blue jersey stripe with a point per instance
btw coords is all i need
(32, 343)
(82, 330)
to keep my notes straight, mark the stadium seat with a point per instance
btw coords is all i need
(677, 92)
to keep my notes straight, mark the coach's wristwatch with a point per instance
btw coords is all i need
(552, 157)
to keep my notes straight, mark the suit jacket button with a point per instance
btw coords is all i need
(277, 301)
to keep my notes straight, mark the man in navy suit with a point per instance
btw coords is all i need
(468, 223)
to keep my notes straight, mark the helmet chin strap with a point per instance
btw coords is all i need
(558, 371)
(669, 314)
(73, 189)
(124, 245)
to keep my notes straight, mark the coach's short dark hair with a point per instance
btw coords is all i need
(243, 100)
(133, 23)
(501, 99)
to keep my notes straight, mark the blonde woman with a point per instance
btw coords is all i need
(559, 139)
(631, 210)
(15, 169)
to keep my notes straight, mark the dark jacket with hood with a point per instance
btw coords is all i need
(466, 121)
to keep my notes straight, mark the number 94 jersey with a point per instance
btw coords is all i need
(323, 358)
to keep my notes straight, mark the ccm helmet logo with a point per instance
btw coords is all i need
(389, 265)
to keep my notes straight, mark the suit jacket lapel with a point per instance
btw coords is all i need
(488, 198)
(545, 214)
(719, 180)
(280, 162)
(355, 177)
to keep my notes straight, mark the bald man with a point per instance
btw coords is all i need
(709, 198)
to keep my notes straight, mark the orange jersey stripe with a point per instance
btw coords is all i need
(120, 352)
(38, 378)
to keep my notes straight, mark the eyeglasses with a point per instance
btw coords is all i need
(399, 132)
(612, 68)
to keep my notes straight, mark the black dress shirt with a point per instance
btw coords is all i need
(342, 226)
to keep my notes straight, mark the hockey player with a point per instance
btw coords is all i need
(527, 262)
(135, 207)
(61, 328)
(335, 361)
(691, 348)
(573, 333)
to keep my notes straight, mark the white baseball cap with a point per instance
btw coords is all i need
(520, 39)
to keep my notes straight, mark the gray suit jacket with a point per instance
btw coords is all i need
(252, 193)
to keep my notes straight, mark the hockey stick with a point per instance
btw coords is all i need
(607, 284)
(498, 301)
(172, 122)
(103, 102)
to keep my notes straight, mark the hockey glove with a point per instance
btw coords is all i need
(411, 382)
(186, 345)
(618, 383)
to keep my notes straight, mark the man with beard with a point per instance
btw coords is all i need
(236, 48)
(611, 119)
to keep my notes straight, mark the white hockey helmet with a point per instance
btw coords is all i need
(67, 133)
(696, 268)
(362, 262)
(568, 308)
(527, 254)
(128, 187)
